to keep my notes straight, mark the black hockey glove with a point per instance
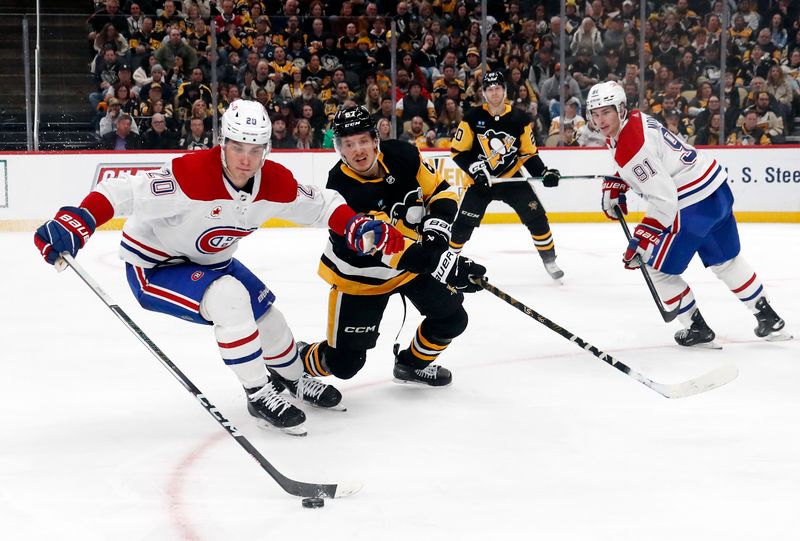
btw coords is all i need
(550, 178)
(480, 176)
(435, 235)
(457, 272)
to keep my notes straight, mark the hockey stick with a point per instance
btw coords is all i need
(503, 180)
(710, 380)
(667, 315)
(295, 488)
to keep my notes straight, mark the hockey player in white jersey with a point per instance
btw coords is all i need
(178, 244)
(689, 210)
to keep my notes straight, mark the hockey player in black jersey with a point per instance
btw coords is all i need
(496, 140)
(389, 180)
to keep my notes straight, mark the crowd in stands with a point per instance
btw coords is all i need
(153, 61)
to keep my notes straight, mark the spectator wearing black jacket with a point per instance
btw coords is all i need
(159, 136)
(122, 138)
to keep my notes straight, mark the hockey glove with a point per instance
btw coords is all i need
(646, 237)
(550, 178)
(480, 176)
(435, 235)
(457, 272)
(367, 236)
(67, 232)
(614, 194)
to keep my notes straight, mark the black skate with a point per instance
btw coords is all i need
(433, 374)
(552, 268)
(273, 411)
(770, 325)
(698, 335)
(315, 393)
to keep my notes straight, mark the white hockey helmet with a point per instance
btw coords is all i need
(246, 122)
(608, 93)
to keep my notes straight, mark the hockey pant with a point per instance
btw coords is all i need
(251, 334)
(354, 322)
(708, 229)
(521, 197)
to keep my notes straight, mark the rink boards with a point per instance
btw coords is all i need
(765, 181)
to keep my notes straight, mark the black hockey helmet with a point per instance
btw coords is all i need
(492, 78)
(353, 120)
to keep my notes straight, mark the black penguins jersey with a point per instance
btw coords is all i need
(407, 189)
(505, 142)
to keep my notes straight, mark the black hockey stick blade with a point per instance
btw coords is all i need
(295, 488)
(705, 382)
(666, 315)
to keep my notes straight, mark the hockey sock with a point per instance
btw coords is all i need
(456, 246)
(278, 346)
(742, 280)
(425, 349)
(226, 303)
(544, 244)
(674, 291)
(314, 359)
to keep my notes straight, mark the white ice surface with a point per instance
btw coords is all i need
(535, 439)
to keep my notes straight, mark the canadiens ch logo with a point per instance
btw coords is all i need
(217, 239)
(497, 147)
(196, 275)
(215, 213)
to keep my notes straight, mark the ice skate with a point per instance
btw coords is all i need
(698, 335)
(553, 269)
(313, 392)
(770, 325)
(433, 374)
(273, 411)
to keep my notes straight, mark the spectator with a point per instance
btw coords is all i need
(709, 133)
(686, 70)
(110, 38)
(262, 80)
(127, 103)
(159, 137)
(198, 110)
(293, 88)
(385, 111)
(175, 48)
(415, 104)
(749, 132)
(157, 79)
(587, 37)
(155, 93)
(585, 72)
(191, 91)
(414, 131)
(304, 135)
(107, 15)
(384, 127)
(571, 119)
(778, 34)
(449, 119)
(768, 120)
(612, 70)
(372, 99)
(144, 41)
(281, 138)
(122, 137)
(336, 101)
(106, 74)
(109, 122)
(666, 53)
(135, 19)
(170, 18)
(615, 35)
(549, 91)
(197, 138)
(780, 88)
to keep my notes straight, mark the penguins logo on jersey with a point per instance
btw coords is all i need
(497, 147)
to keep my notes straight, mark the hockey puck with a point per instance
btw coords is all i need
(313, 503)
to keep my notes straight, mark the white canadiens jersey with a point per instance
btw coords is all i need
(666, 172)
(190, 211)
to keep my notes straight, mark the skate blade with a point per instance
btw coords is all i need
(779, 336)
(418, 383)
(707, 345)
(337, 407)
(299, 430)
